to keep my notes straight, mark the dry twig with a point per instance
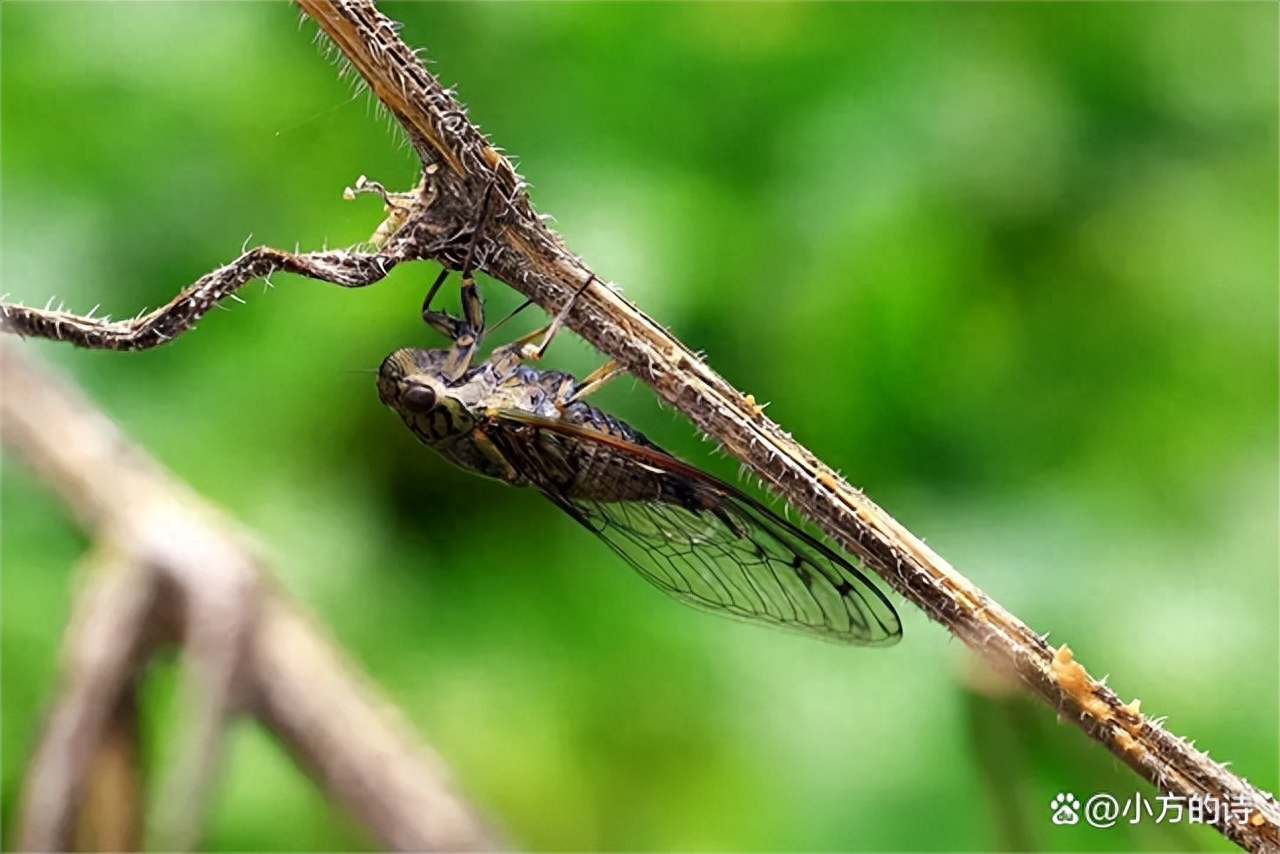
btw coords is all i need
(435, 220)
(166, 567)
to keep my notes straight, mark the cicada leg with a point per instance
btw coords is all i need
(592, 381)
(465, 332)
(468, 330)
(441, 321)
(522, 349)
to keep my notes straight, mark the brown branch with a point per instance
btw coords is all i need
(111, 816)
(166, 567)
(101, 656)
(362, 751)
(525, 254)
(350, 269)
(219, 598)
(435, 222)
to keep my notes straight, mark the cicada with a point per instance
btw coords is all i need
(694, 536)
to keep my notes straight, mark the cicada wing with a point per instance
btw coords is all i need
(706, 542)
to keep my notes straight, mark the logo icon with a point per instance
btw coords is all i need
(1066, 808)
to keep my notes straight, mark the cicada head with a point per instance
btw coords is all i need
(413, 383)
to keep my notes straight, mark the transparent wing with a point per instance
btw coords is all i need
(703, 541)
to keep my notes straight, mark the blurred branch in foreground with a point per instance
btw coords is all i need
(436, 220)
(167, 567)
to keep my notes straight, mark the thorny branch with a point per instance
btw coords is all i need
(167, 567)
(434, 222)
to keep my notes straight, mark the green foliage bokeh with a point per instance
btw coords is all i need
(1011, 268)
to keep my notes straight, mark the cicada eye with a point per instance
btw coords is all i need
(419, 398)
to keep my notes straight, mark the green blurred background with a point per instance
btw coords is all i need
(1011, 268)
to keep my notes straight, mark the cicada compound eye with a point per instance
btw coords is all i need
(419, 399)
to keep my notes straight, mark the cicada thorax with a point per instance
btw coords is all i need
(624, 466)
(471, 419)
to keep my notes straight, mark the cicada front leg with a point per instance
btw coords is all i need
(466, 331)
(522, 349)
